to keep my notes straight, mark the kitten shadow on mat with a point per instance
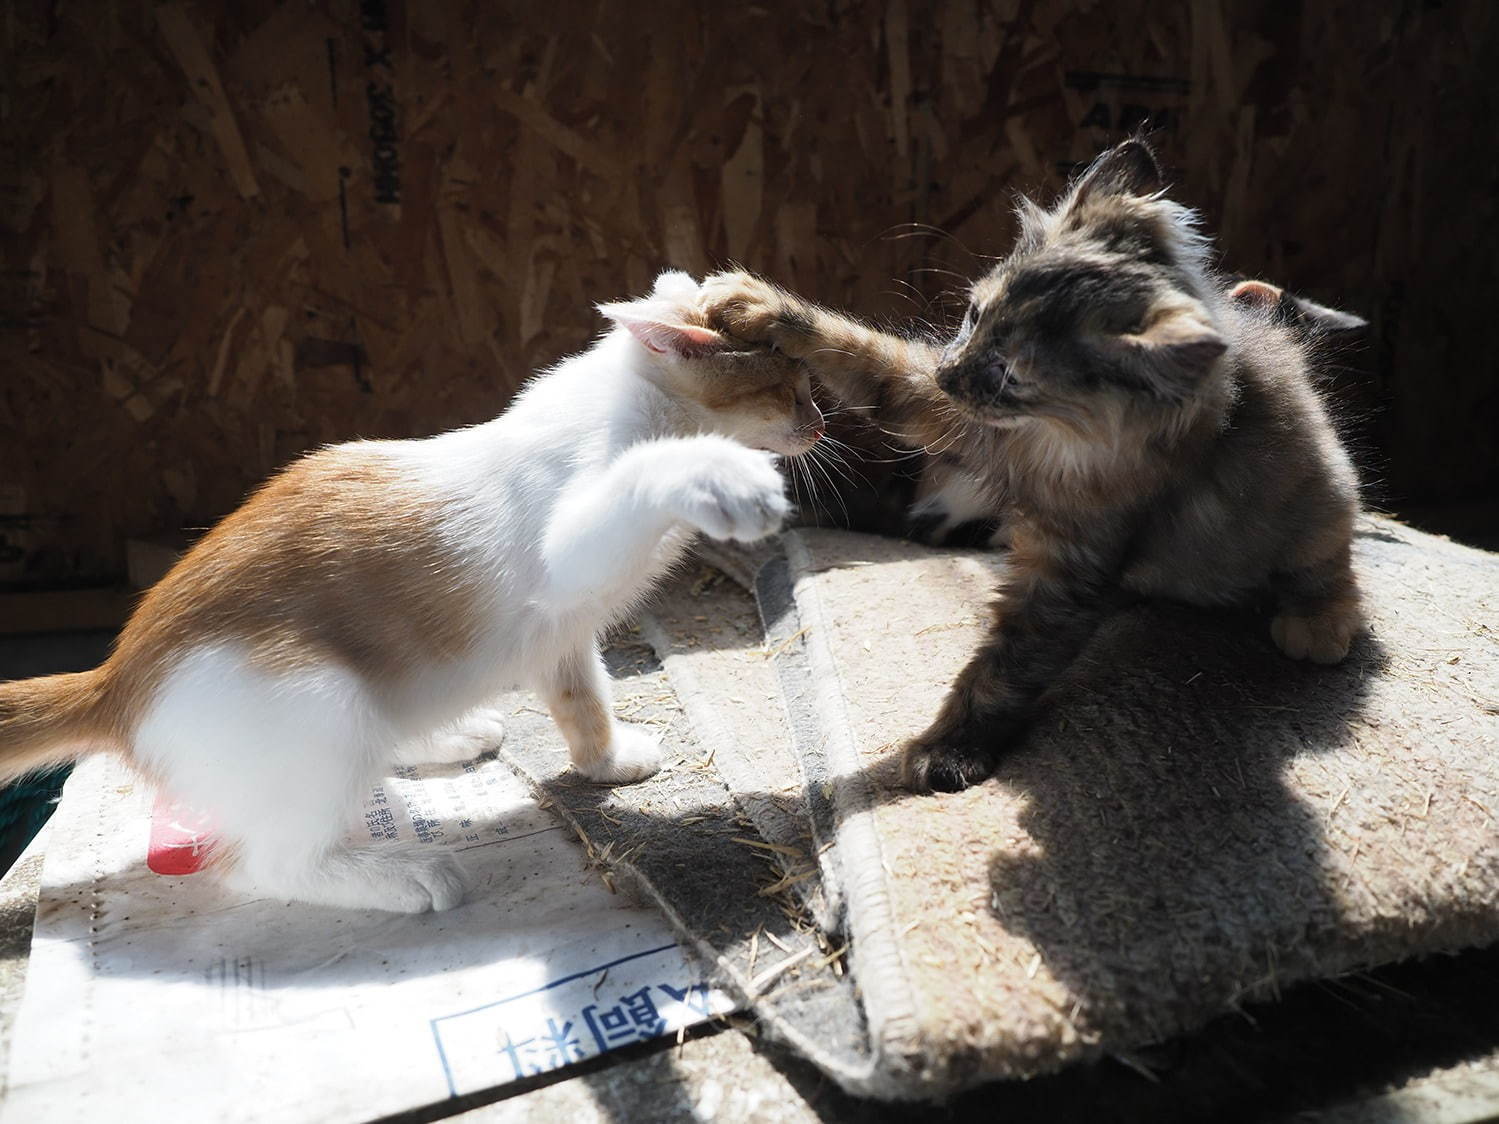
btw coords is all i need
(1170, 857)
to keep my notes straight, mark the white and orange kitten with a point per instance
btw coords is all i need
(360, 609)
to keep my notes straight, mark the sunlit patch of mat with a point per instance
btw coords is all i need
(1192, 823)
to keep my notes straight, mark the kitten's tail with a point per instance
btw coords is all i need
(50, 721)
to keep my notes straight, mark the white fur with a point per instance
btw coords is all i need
(570, 506)
(478, 732)
(960, 498)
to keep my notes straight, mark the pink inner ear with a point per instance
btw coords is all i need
(1257, 293)
(703, 337)
(647, 333)
(674, 339)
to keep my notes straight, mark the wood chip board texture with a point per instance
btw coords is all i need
(1192, 823)
(234, 232)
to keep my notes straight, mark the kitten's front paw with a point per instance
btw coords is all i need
(737, 495)
(1323, 638)
(417, 882)
(755, 311)
(934, 764)
(634, 754)
(478, 732)
(404, 878)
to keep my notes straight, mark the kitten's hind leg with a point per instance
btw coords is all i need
(1318, 613)
(298, 850)
(396, 877)
(281, 764)
(600, 747)
(477, 733)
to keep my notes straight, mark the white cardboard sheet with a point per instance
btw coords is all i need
(152, 997)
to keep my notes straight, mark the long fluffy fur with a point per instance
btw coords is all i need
(1148, 429)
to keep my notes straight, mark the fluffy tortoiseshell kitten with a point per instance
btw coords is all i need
(1150, 429)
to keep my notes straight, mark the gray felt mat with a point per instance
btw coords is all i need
(1192, 823)
(706, 631)
(681, 841)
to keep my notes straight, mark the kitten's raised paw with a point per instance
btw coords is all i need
(1323, 638)
(634, 754)
(755, 311)
(937, 766)
(738, 495)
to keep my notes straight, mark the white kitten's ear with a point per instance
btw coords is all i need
(661, 329)
(674, 285)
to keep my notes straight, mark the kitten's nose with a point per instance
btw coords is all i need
(946, 376)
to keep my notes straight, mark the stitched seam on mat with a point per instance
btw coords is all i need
(707, 726)
(711, 732)
(866, 1080)
(785, 649)
(889, 1004)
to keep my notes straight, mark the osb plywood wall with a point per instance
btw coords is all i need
(233, 232)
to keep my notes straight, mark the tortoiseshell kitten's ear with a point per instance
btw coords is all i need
(1126, 169)
(1173, 351)
(1299, 313)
